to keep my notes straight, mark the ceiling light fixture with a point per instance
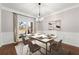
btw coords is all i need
(39, 4)
(39, 13)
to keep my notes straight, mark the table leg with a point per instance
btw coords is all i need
(46, 48)
(50, 48)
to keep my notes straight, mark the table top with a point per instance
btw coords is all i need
(42, 38)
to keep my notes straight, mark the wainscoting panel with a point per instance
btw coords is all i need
(6, 38)
(71, 38)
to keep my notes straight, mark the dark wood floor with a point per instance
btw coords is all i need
(73, 50)
(10, 49)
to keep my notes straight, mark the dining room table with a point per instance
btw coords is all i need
(43, 38)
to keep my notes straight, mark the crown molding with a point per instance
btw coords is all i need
(64, 10)
(14, 11)
(54, 13)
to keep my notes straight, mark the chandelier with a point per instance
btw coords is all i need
(39, 14)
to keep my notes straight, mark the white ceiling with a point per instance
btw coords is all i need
(33, 8)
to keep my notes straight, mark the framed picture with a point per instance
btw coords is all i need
(54, 25)
(58, 25)
(50, 25)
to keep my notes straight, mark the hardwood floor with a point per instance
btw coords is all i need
(73, 50)
(10, 49)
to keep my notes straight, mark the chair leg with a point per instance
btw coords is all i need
(50, 50)
(41, 52)
(30, 53)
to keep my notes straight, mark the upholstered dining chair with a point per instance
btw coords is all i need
(33, 47)
(56, 46)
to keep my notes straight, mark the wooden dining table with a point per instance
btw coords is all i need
(44, 40)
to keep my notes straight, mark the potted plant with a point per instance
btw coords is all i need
(23, 37)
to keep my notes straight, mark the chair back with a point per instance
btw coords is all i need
(30, 43)
(60, 43)
(57, 46)
(23, 39)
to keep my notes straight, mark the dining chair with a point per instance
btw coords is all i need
(33, 47)
(56, 47)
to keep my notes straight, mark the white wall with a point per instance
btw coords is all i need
(71, 38)
(7, 38)
(69, 20)
(6, 35)
(6, 27)
(0, 28)
(69, 26)
(7, 21)
(0, 18)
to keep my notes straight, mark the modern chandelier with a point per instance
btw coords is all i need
(39, 14)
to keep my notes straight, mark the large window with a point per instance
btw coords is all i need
(24, 25)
